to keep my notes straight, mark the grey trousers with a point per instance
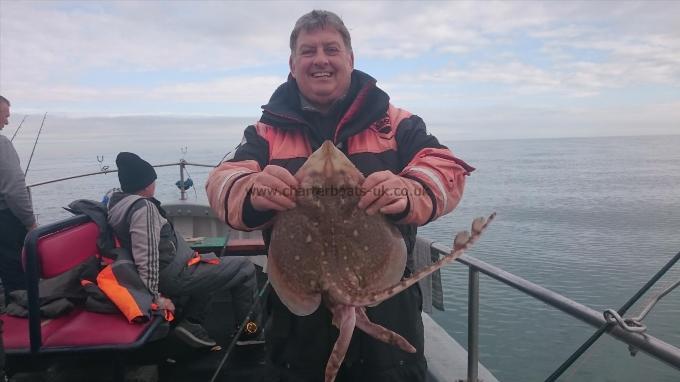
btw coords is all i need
(12, 234)
(199, 283)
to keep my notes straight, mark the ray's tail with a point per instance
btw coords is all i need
(344, 317)
(380, 332)
(463, 241)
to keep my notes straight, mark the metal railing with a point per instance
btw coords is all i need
(182, 169)
(651, 345)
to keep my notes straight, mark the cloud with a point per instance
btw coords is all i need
(228, 35)
(245, 89)
(201, 56)
(252, 88)
(141, 35)
(511, 73)
(567, 70)
(524, 121)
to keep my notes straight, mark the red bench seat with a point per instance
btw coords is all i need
(73, 331)
(49, 251)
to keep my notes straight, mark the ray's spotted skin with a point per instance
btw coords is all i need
(328, 250)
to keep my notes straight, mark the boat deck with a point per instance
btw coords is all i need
(183, 365)
(169, 360)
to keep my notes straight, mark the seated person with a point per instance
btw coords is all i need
(164, 261)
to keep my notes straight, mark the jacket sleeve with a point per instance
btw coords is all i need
(13, 185)
(435, 177)
(229, 184)
(145, 235)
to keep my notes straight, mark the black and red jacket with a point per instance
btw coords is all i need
(374, 135)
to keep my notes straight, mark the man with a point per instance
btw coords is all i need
(165, 263)
(325, 98)
(16, 211)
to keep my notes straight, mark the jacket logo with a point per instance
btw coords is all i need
(383, 127)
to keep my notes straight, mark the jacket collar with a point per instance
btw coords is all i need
(369, 104)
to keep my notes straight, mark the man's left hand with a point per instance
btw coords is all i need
(384, 192)
(166, 304)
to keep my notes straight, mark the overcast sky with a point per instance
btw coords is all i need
(472, 70)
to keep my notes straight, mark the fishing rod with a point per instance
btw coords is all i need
(225, 155)
(245, 321)
(18, 128)
(35, 144)
(609, 324)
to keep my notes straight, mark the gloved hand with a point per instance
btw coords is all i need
(273, 189)
(385, 192)
(165, 303)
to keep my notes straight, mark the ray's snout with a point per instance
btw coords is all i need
(329, 155)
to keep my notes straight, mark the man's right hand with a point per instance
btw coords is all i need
(273, 189)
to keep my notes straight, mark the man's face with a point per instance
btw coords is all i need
(322, 66)
(4, 115)
(148, 191)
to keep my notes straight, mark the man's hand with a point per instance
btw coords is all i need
(165, 303)
(31, 227)
(273, 189)
(384, 192)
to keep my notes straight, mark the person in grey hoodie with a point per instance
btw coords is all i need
(166, 264)
(16, 211)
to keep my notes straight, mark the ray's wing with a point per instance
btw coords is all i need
(293, 265)
(462, 242)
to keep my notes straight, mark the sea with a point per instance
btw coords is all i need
(590, 218)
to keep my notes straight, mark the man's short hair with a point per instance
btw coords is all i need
(319, 19)
(4, 100)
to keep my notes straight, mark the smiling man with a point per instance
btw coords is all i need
(321, 65)
(410, 178)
